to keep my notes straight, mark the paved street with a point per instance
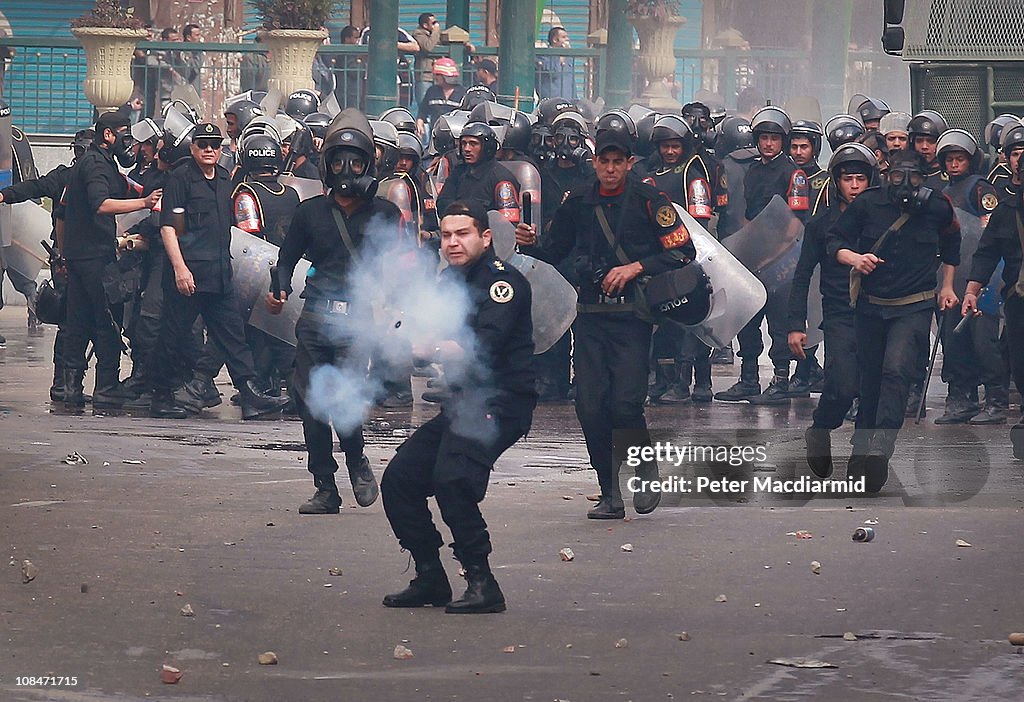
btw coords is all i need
(204, 513)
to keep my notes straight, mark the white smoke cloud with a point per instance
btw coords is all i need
(398, 303)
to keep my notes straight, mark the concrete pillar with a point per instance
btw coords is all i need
(382, 69)
(516, 55)
(618, 89)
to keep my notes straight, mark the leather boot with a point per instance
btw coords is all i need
(74, 393)
(256, 404)
(482, 592)
(997, 401)
(777, 393)
(364, 485)
(680, 390)
(429, 587)
(57, 388)
(819, 451)
(647, 500)
(747, 387)
(162, 406)
(610, 505)
(326, 499)
(959, 409)
(109, 393)
(702, 381)
(914, 402)
(665, 374)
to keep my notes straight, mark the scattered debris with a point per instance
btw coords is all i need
(872, 522)
(271, 524)
(962, 543)
(800, 534)
(721, 598)
(169, 675)
(594, 498)
(509, 649)
(802, 663)
(334, 571)
(849, 636)
(28, 571)
(85, 588)
(683, 636)
(402, 653)
(187, 611)
(1017, 639)
(628, 548)
(863, 534)
(622, 643)
(328, 585)
(566, 497)
(133, 462)
(229, 543)
(816, 567)
(267, 658)
(567, 554)
(76, 458)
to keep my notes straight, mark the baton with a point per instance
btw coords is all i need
(963, 323)
(527, 209)
(275, 284)
(931, 366)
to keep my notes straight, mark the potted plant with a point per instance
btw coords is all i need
(108, 34)
(656, 23)
(293, 31)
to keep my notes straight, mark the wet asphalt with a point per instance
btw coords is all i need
(204, 513)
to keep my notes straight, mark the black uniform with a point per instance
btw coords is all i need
(819, 181)
(841, 372)
(452, 455)
(89, 248)
(765, 180)
(1002, 241)
(894, 311)
(999, 177)
(612, 345)
(321, 329)
(734, 170)
(206, 248)
(488, 184)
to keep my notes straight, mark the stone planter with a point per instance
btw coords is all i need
(657, 37)
(291, 57)
(108, 57)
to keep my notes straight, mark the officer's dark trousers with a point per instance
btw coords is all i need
(993, 371)
(959, 362)
(174, 356)
(455, 470)
(22, 283)
(611, 354)
(842, 375)
(319, 346)
(888, 351)
(751, 343)
(90, 317)
(1013, 311)
(555, 364)
(147, 325)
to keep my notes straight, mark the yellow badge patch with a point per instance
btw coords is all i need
(989, 201)
(666, 216)
(502, 292)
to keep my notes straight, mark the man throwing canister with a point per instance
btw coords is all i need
(489, 407)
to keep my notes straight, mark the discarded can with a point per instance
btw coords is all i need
(864, 534)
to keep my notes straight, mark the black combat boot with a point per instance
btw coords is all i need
(364, 485)
(996, 403)
(163, 406)
(777, 393)
(255, 404)
(109, 393)
(74, 393)
(610, 505)
(646, 500)
(680, 390)
(57, 388)
(702, 381)
(482, 592)
(429, 587)
(819, 451)
(326, 499)
(665, 375)
(959, 409)
(748, 386)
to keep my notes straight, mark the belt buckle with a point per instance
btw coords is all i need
(605, 300)
(337, 307)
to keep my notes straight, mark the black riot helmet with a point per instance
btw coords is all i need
(491, 113)
(385, 139)
(734, 133)
(843, 129)
(644, 127)
(958, 140)
(261, 154)
(409, 146)
(551, 107)
(770, 120)
(517, 134)
(317, 123)
(672, 127)
(853, 158)
(1011, 137)
(616, 120)
(475, 95)
(926, 123)
(245, 111)
(401, 118)
(811, 130)
(347, 165)
(176, 149)
(445, 135)
(872, 110)
(569, 132)
(488, 139)
(994, 129)
(301, 103)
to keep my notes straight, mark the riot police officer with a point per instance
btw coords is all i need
(871, 113)
(622, 229)
(480, 178)
(451, 456)
(924, 130)
(895, 298)
(852, 169)
(999, 171)
(330, 230)
(894, 128)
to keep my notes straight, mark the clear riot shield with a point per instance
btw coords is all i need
(305, 187)
(282, 326)
(529, 182)
(395, 191)
(251, 259)
(6, 170)
(815, 315)
(554, 299)
(769, 246)
(29, 224)
(805, 107)
(129, 219)
(737, 295)
(971, 228)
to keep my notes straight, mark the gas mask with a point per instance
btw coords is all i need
(906, 189)
(570, 145)
(348, 173)
(122, 150)
(540, 147)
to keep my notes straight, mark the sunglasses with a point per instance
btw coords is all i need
(208, 145)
